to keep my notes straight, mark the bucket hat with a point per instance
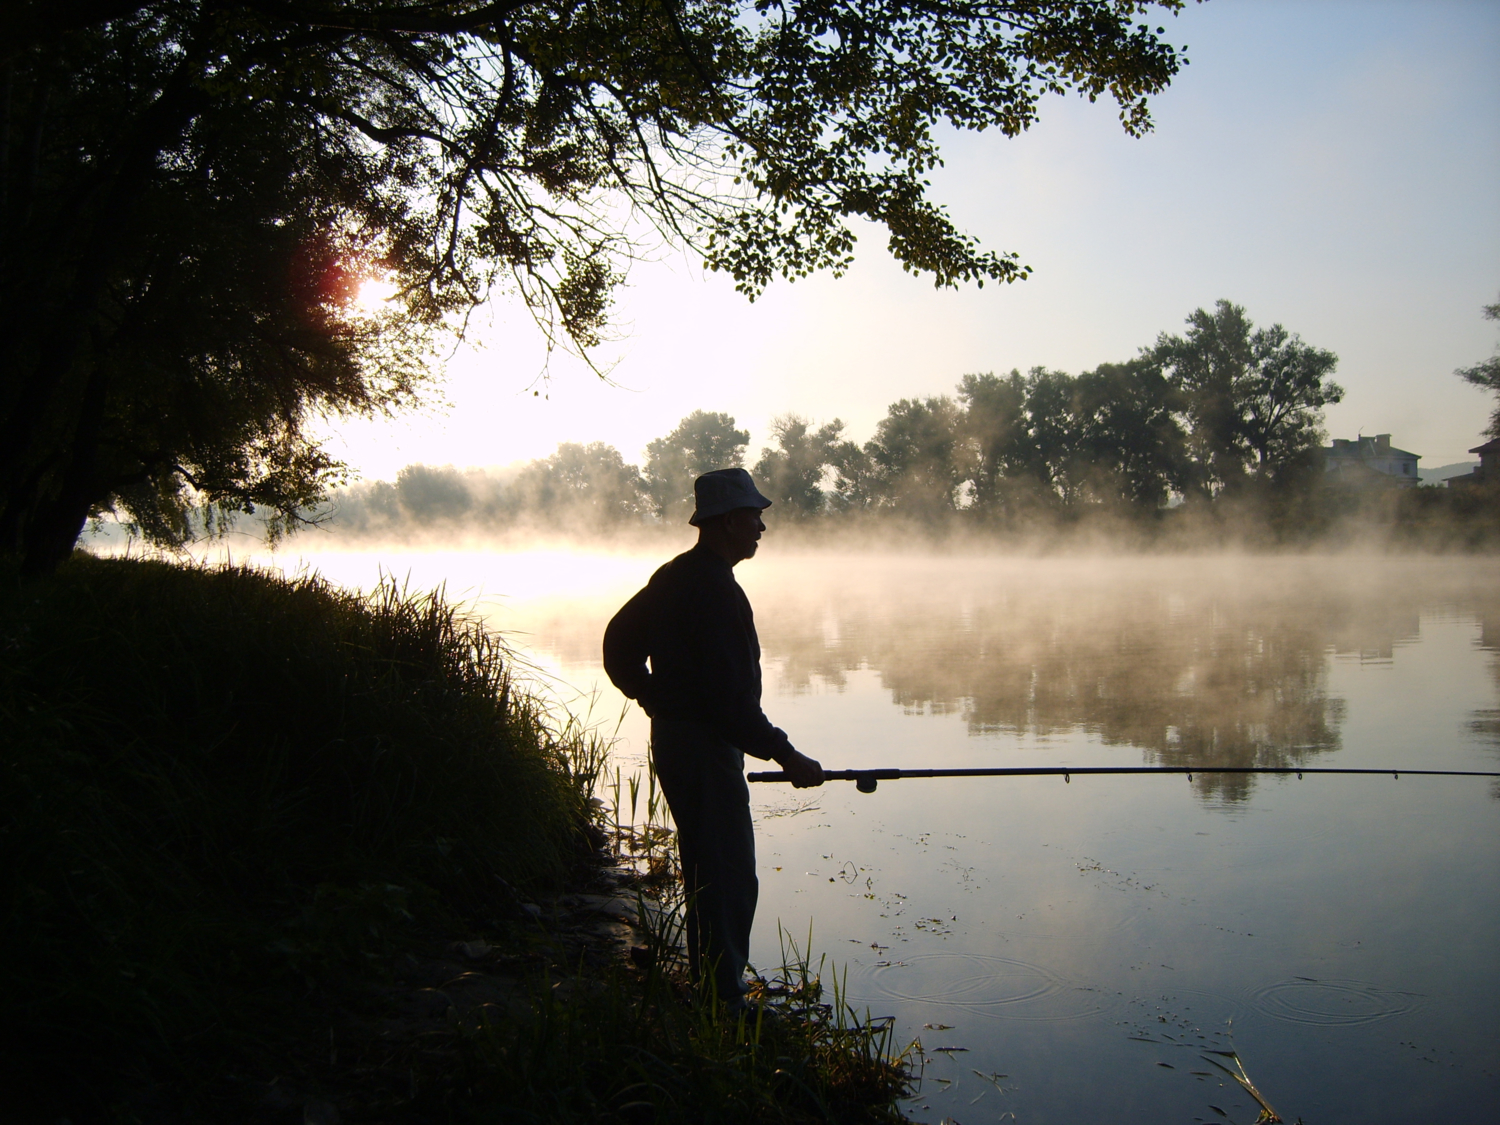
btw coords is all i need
(724, 490)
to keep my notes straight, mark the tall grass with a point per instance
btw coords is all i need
(219, 789)
(631, 1040)
(647, 1046)
(650, 1050)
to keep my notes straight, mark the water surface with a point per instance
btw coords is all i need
(1079, 951)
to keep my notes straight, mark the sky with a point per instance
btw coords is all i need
(1331, 165)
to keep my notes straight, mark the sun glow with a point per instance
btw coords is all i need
(374, 294)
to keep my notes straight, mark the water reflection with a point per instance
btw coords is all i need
(1198, 687)
(1484, 723)
(1066, 949)
(1195, 662)
(1196, 665)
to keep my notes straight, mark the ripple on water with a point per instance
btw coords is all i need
(998, 987)
(1331, 1003)
(1195, 1007)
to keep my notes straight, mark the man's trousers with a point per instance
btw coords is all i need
(703, 779)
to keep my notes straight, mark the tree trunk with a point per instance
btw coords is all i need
(52, 535)
(49, 438)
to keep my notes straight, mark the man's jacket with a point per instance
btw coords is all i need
(693, 623)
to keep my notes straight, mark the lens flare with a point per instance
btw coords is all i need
(374, 294)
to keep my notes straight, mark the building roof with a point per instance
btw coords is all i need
(1363, 447)
(1491, 446)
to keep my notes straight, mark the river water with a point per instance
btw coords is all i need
(1095, 949)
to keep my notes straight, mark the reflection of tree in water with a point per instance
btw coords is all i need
(1198, 664)
(1486, 720)
(1222, 673)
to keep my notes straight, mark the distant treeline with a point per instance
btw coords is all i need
(1225, 419)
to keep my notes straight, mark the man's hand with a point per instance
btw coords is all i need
(801, 771)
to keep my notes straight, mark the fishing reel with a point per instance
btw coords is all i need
(865, 782)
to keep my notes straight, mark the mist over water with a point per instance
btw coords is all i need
(1066, 951)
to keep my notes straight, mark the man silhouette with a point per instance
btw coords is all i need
(702, 690)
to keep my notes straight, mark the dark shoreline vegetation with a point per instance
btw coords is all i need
(248, 822)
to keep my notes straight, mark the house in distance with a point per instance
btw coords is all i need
(1367, 461)
(1488, 469)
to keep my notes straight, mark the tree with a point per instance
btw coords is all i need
(368, 506)
(995, 440)
(1253, 397)
(855, 483)
(701, 443)
(583, 486)
(913, 453)
(1020, 438)
(429, 495)
(1132, 449)
(1283, 395)
(192, 192)
(792, 473)
(1053, 434)
(1487, 374)
(1205, 366)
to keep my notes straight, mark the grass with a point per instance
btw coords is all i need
(645, 1050)
(219, 786)
(232, 804)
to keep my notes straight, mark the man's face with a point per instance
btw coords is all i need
(742, 529)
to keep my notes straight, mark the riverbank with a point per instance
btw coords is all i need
(280, 853)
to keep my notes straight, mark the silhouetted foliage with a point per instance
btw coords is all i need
(433, 495)
(1463, 518)
(1487, 374)
(220, 787)
(1132, 445)
(913, 457)
(853, 480)
(1226, 406)
(1253, 397)
(580, 488)
(584, 486)
(1048, 442)
(190, 194)
(996, 440)
(1228, 416)
(793, 473)
(700, 443)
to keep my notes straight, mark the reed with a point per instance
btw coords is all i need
(645, 1047)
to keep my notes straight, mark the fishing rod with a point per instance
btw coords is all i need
(866, 780)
